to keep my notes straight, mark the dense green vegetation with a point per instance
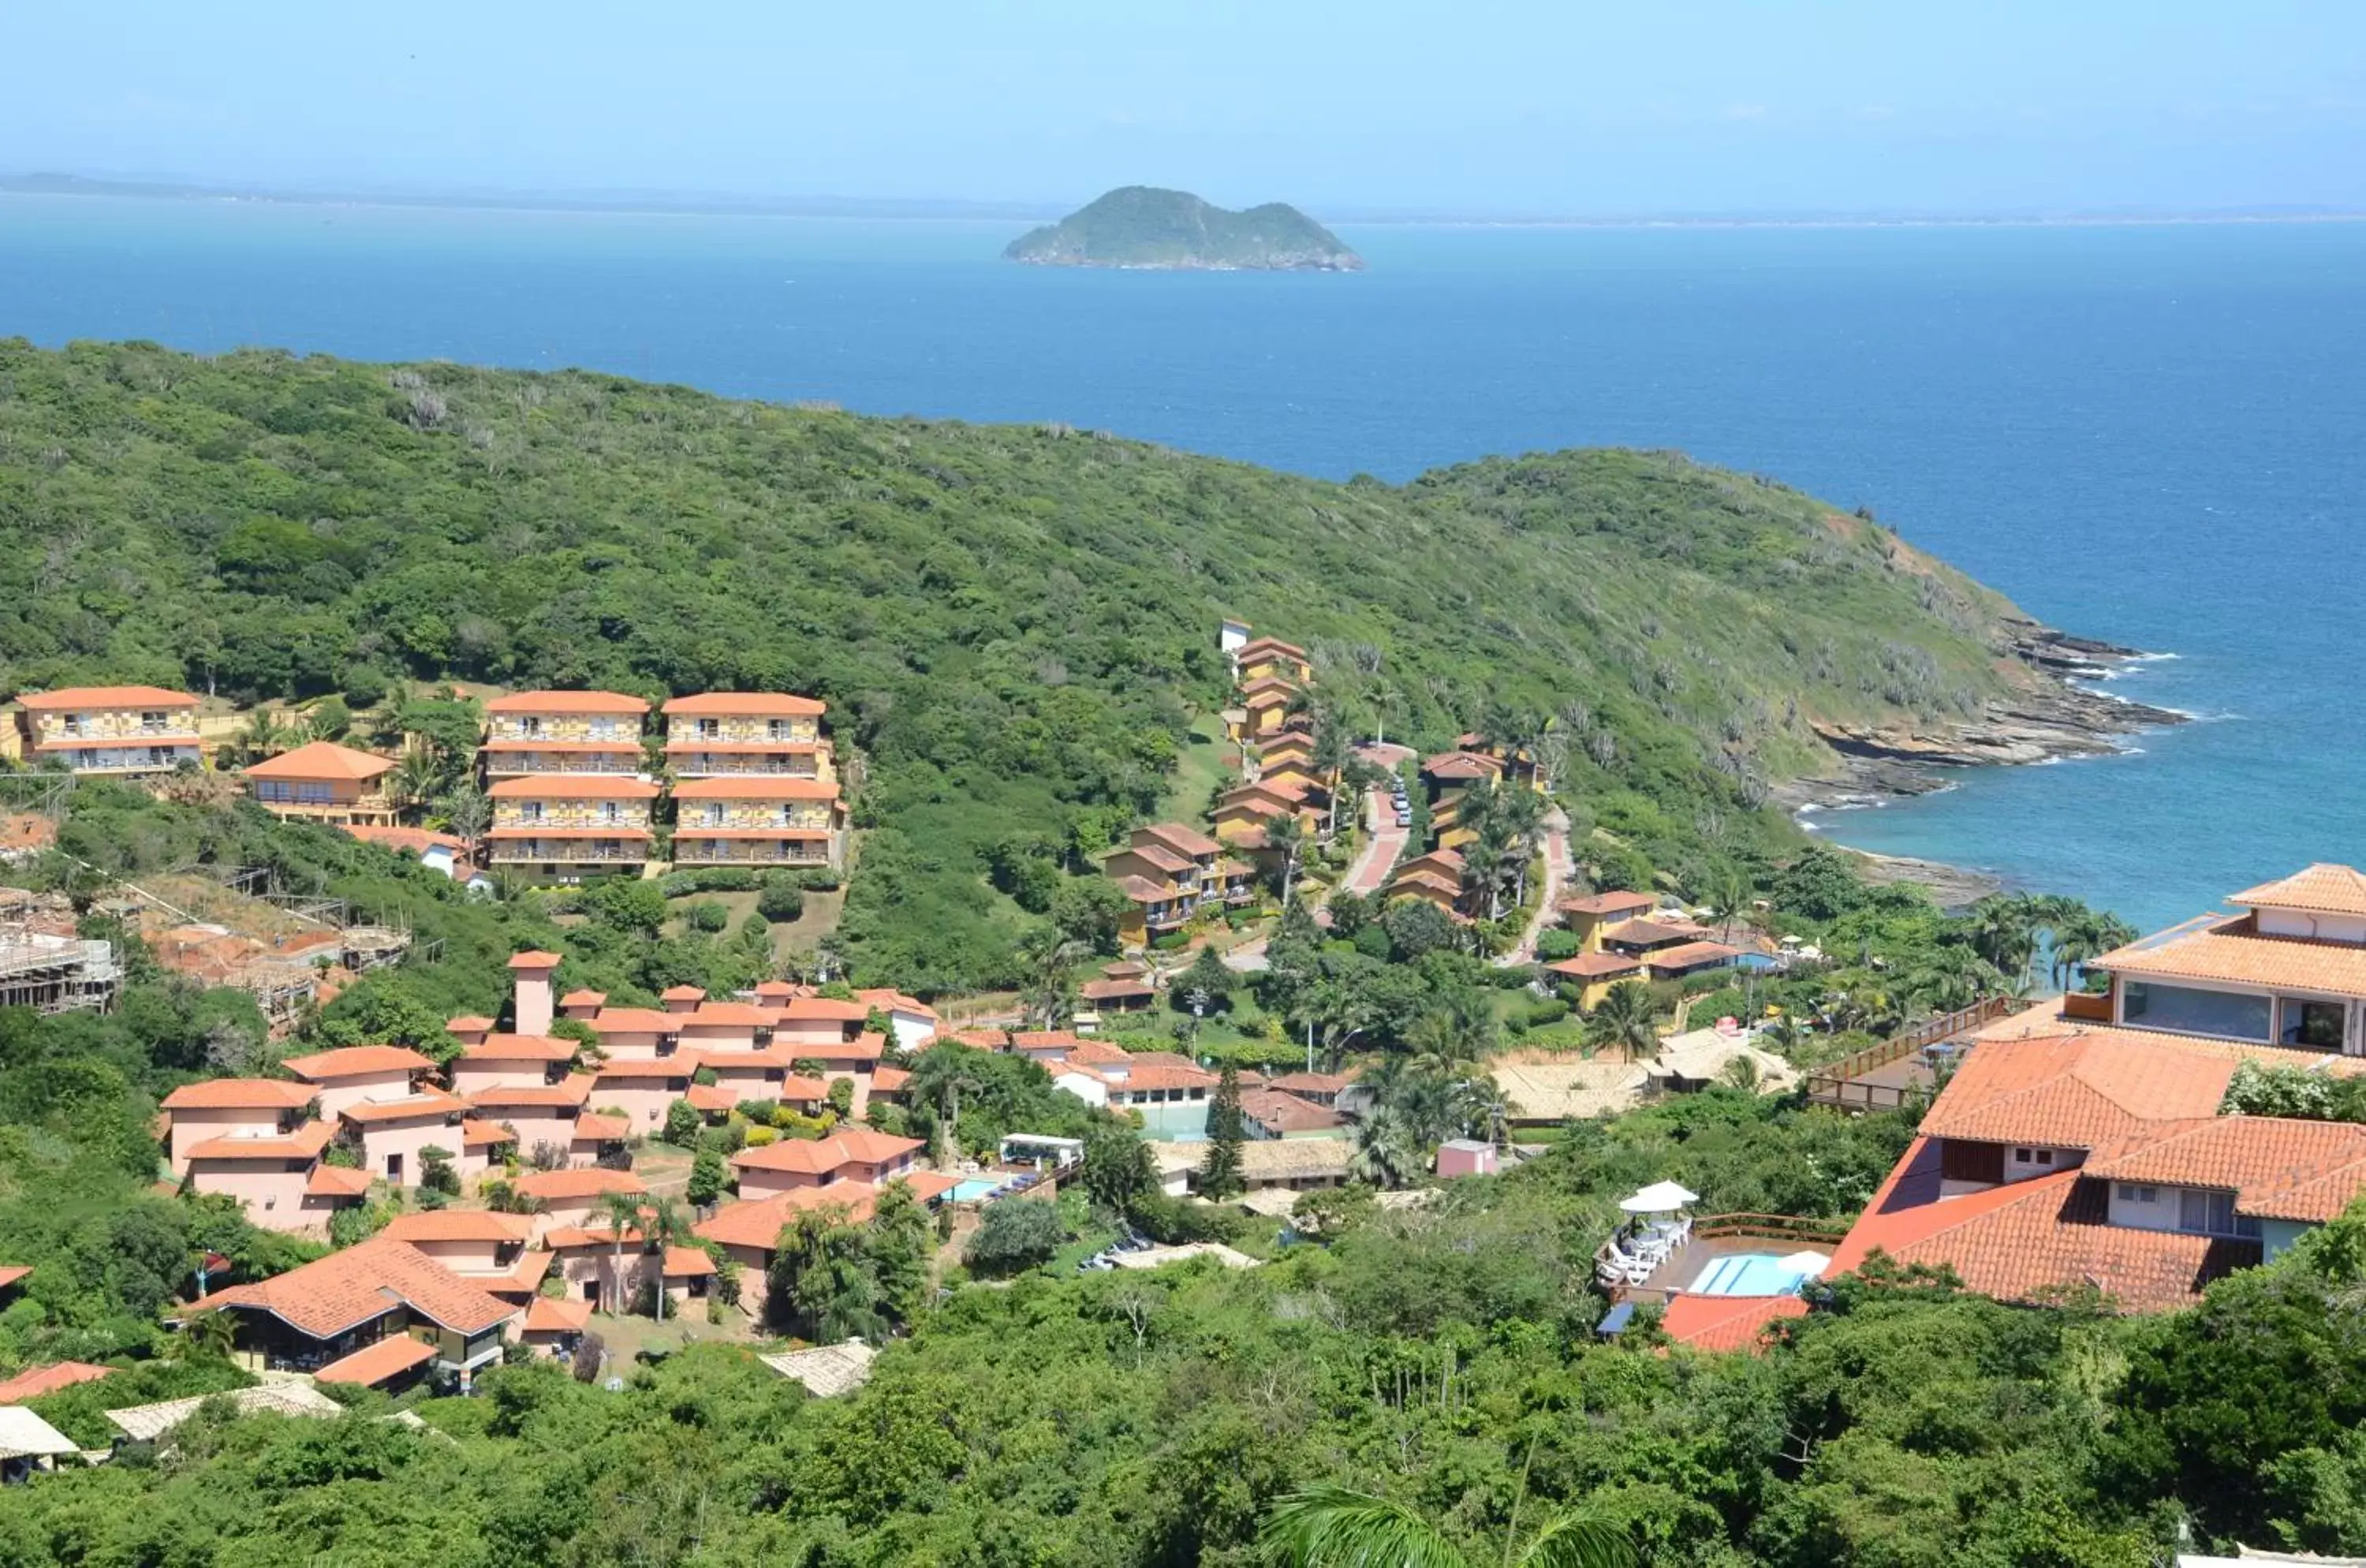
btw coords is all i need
(1140, 226)
(1442, 1358)
(1014, 626)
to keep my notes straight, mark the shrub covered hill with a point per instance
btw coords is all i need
(1145, 227)
(1014, 626)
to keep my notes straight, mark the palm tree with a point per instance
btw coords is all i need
(469, 815)
(1285, 835)
(1485, 1106)
(1334, 1527)
(1050, 961)
(264, 736)
(1330, 753)
(1731, 891)
(205, 1337)
(415, 779)
(664, 1225)
(938, 1079)
(623, 1211)
(1386, 1153)
(1625, 1018)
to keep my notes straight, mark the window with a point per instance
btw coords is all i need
(530, 726)
(708, 728)
(2203, 1213)
(2133, 1194)
(2021, 1157)
(2318, 1024)
(2046, 1156)
(712, 814)
(611, 812)
(2186, 1010)
(529, 811)
(778, 729)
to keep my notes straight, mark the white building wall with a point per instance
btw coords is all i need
(2040, 1161)
(2325, 928)
(2144, 1206)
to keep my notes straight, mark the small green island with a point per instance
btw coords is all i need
(1146, 229)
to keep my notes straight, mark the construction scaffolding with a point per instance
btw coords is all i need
(43, 966)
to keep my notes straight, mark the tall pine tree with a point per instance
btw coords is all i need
(1220, 1173)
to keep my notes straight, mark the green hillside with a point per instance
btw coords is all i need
(1140, 226)
(1014, 625)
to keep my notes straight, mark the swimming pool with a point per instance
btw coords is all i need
(973, 1188)
(1174, 1121)
(1753, 1274)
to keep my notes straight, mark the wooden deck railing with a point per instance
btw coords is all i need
(1772, 1227)
(1835, 1083)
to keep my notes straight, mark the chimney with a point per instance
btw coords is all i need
(534, 972)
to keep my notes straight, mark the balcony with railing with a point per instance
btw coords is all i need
(692, 851)
(568, 852)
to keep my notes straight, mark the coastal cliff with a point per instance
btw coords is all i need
(1143, 229)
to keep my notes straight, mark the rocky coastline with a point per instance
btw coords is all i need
(2048, 718)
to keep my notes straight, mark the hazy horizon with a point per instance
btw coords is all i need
(1833, 108)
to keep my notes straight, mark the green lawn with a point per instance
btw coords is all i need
(1204, 762)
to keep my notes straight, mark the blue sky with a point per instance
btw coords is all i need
(1576, 108)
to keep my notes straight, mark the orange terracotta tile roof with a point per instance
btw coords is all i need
(1609, 904)
(1726, 1322)
(604, 1129)
(1266, 691)
(352, 1061)
(535, 958)
(555, 1314)
(814, 1010)
(304, 1142)
(754, 786)
(710, 1097)
(468, 1024)
(745, 748)
(849, 1145)
(573, 1090)
(1595, 966)
(574, 787)
(1286, 1112)
(617, 1069)
(74, 697)
(634, 1020)
(889, 1080)
(427, 1101)
(458, 1225)
(1181, 838)
(2237, 951)
(381, 1362)
(2074, 1092)
(2278, 1169)
(688, 1263)
(585, 998)
(520, 1048)
(1249, 650)
(360, 1284)
(2026, 1239)
(2323, 889)
(1311, 1083)
(1691, 955)
(1115, 990)
(757, 1221)
(35, 1382)
(566, 702)
(11, 1273)
(477, 1133)
(337, 1181)
(1644, 933)
(886, 1001)
(1142, 890)
(728, 1015)
(591, 1182)
(683, 994)
(748, 705)
(982, 1039)
(1435, 881)
(408, 840)
(1450, 861)
(1045, 1039)
(1460, 766)
(318, 761)
(240, 1094)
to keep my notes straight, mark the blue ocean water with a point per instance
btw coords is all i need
(2155, 434)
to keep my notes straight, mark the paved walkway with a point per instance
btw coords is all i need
(1557, 869)
(1371, 869)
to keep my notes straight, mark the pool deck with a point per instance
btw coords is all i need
(1685, 1263)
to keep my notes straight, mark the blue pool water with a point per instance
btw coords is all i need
(974, 1188)
(1748, 1274)
(2145, 433)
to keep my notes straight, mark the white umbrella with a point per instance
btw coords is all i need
(1660, 1198)
(1807, 1265)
